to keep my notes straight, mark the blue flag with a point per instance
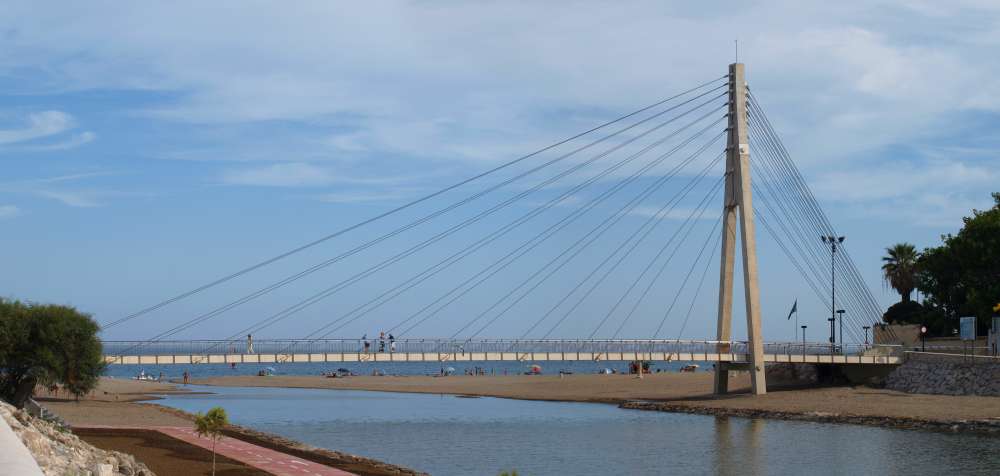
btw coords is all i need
(795, 308)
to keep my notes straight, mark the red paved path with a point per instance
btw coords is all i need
(274, 462)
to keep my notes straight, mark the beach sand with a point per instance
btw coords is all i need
(577, 387)
(115, 402)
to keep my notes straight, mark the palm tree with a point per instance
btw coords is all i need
(899, 268)
(211, 424)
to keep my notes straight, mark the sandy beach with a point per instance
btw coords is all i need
(116, 413)
(576, 388)
(679, 390)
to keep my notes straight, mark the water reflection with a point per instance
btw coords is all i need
(445, 435)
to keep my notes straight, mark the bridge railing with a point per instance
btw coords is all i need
(462, 346)
(331, 346)
(821, 348)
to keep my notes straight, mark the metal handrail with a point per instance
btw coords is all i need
(350, 346)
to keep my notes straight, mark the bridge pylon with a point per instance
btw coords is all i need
(738, 202)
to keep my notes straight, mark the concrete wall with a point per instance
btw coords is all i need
(944, 374)
(905, 334)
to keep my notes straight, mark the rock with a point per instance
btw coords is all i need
(59, 452)
(946, 375)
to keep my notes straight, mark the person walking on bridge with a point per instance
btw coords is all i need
(249, 344)
(381, 341)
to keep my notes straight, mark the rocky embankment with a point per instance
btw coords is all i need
(939, 374)
(59, 452)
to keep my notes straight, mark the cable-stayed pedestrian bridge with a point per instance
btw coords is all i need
(445, 350)
(602, 235)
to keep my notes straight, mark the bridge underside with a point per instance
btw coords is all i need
(493, 356)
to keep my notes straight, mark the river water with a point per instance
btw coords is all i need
(448, 435)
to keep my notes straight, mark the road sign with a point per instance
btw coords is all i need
(967, 328)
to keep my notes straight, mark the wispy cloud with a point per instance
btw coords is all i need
(293, 174)
(79, 199)
(74, 141)
(46, 125)
(367, 196)
(9, 211)
(66, 189)
(678, 213)
(38, 125)
(302, 174)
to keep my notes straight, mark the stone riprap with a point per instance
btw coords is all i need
(942, 374)
(59, 452)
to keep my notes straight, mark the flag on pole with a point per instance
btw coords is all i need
(795, 308)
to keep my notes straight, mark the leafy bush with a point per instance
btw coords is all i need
(43, 344)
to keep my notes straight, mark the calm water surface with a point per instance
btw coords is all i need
(447, 435)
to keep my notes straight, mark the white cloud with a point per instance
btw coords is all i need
(483, 82)
(928, 192)
(300, 174)
(678, 213)
(280, 175)
(77, 199)
(38, 125)
(74, 141)
(9, 211)
(366, 196)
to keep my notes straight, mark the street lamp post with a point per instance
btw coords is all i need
(840, 314)
(804, 339)
(833, 241)
(833, 333)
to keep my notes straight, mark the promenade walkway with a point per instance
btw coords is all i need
(274, 462)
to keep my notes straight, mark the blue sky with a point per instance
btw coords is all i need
(150, 148)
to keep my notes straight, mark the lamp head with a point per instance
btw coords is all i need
(840, 239)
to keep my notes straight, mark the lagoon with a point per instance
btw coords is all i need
(449, 435)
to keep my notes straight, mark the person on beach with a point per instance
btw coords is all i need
(187, 377)
(249, 344)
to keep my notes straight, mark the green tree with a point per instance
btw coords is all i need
(962, 276)
(46, 345)
(211, 424)
(899, 269)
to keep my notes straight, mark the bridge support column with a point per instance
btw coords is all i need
(738, 202)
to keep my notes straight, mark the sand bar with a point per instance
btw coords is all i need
(679, 389)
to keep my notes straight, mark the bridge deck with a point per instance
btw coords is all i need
(491, 356)
(424, 350)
